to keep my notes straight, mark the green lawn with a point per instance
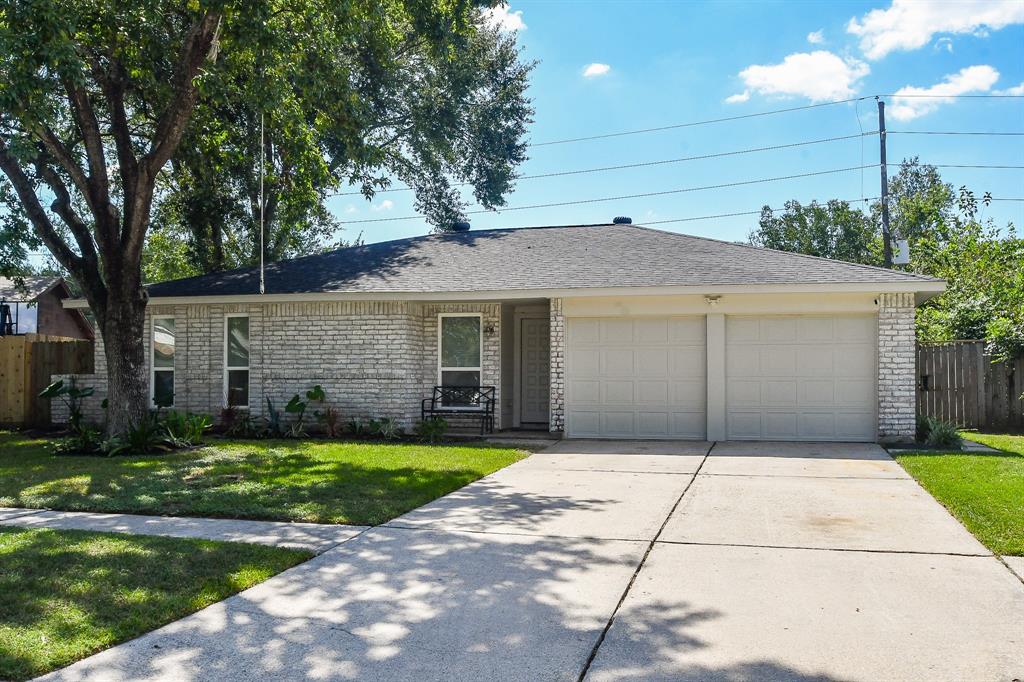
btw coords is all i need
(984, 490)
(67, 594)
(322, 481)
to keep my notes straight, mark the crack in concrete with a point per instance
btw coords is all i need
(643, 560)
(823, 549)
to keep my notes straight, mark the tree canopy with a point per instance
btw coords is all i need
(116, 115)
(982, 263)
(342, 107)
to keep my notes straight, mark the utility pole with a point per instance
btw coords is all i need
(886, 238)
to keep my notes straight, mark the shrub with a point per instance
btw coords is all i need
(86, 440)
(357, 427)
(297, 407)
(274, 426)
(387, 428)
(942, 434)
(185, 430)
(432, 429)
(71, 396)
(330, 418)
(924, 427)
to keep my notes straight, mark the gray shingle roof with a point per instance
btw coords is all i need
(34, 287)
(583, 256)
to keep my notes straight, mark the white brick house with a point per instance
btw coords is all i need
(614, 331)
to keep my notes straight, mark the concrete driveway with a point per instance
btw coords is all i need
(627, 561)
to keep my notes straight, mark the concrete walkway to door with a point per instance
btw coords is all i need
(627, 561)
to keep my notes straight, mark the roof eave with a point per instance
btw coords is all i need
(923, 290)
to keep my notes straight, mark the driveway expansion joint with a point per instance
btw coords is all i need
(639, 567)
(827, 549)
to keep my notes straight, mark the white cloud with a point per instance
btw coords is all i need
(1017, 90)
(944, 44)
(968, 80)
(596, 69)
(816, 37)
(738, 98)
(910, 24)
(351, 209)
(818, 76)
(385, 205)
(504, 19)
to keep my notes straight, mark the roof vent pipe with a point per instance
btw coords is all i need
(622, 220)
(460, 227)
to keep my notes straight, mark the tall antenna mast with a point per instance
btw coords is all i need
(262, 166)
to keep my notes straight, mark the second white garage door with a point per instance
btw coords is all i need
(805, 377)
(636, 377)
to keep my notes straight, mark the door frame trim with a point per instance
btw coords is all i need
(524, 313)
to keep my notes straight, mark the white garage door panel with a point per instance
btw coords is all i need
(636, 377)
(807, 377)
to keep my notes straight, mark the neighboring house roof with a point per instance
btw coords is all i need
(35, 286)
(573, 257)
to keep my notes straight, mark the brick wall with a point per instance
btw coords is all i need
(557, 372)
(896, 370)
(373, 358)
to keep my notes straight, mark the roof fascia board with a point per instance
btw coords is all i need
(910, 286)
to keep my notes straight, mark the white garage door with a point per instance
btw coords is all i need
(802, 377)
(636, 377)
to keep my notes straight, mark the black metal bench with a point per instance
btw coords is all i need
(473, 402)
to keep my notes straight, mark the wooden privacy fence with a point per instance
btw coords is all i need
(26, 363)
(959, 383)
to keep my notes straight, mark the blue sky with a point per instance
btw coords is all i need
(663, 63)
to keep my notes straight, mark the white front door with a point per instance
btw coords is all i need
(534, 361)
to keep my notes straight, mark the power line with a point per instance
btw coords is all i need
(641, 195)
(993, 96)
(692, 124)
(963, 165)
(760, 113)
(643, 164)
(956, 132)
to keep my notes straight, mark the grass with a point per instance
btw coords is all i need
(984, 490)
(65, 595)
(320, 481)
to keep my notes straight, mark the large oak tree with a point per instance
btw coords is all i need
(97, 96)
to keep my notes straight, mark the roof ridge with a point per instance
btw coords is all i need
(873, 268)
(418, 237)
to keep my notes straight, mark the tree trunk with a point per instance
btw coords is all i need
(123, 332)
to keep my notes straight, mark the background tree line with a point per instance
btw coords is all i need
(949, 238)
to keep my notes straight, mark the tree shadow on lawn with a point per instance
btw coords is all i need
(67, 594)
(280, 483)
(403, 604)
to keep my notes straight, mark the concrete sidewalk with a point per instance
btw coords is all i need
(315, 537)
(626, 561)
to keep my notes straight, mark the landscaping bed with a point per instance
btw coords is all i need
(984, 490)
(324, 481)
(65, 595)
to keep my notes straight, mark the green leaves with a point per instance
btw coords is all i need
(831, 230)
(352, 94)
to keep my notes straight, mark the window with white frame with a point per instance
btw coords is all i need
(162, 341)
(460, 349)
(236, 361)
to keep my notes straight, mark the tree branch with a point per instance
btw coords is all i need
(85, 117)
(113, 90)
(63, 156)
(200, 45)
(62, 206)
(37, 216)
